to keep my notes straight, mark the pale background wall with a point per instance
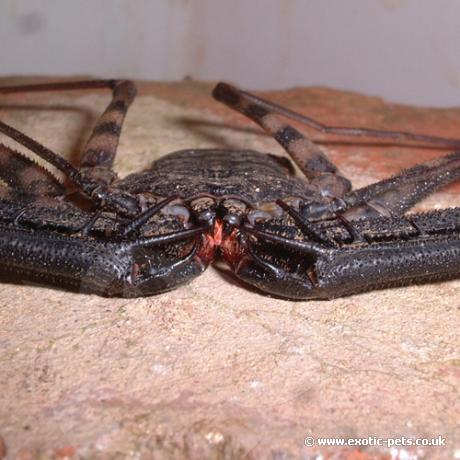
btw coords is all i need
(404, 50)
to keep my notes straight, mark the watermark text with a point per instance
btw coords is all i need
(403, 441)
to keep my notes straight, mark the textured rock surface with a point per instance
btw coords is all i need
(213, 369)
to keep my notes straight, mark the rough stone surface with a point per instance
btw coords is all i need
(214, 369)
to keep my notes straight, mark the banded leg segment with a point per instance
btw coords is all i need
(101, 194)
(100, 150)
(99, 153)
(307, 155)
(340, 130)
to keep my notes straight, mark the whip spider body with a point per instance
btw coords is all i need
(300, 238)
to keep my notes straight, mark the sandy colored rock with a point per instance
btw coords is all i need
(214, 369)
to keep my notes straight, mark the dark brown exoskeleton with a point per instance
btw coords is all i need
(152, 231)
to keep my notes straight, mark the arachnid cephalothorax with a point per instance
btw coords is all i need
(310, 237)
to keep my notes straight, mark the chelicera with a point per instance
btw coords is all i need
(302, 238)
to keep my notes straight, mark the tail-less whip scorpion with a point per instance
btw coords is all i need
(295, 237)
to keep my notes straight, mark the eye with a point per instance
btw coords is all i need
(206, 217)
(233, 220)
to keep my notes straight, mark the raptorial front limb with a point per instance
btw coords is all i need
(393, 254)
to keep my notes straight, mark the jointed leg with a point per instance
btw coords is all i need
(100, 150)
(395, 193)
(100, 193)
(307, 155)
(393, 196)
(271, 107)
